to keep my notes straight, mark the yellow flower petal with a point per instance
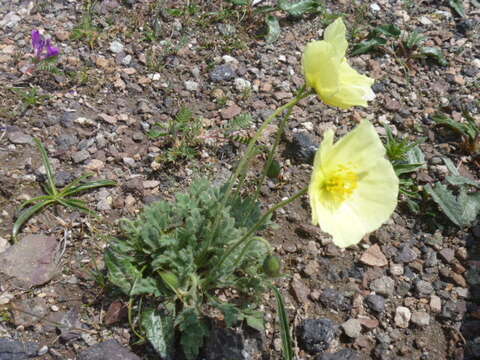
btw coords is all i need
(353, 189)
(335, 34)
(327, 71)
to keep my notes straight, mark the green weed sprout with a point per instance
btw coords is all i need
(55, 196)
(469, 131)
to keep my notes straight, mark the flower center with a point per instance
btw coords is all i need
(341, 183)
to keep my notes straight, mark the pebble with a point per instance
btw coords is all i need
(80, 156)
(333, 299)
(420, 318)
(191, 85)
(303, 147)
(222, 73)
(402, 317)
(230, 112)
(316, 335)
(435, 304)
(375, 302)
(242, 85)
(116, 47)
(95, 165)
(383, 286)
(344, 354)
(129, 161)
(447, 254)
(10, 20)
(18, 137)
(424, 288)
(406, 255)
(373, 256)
(396, 269)
(352, 328)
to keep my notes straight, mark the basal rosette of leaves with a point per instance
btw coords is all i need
(171, 263)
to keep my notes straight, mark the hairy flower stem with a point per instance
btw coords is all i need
(242, 166)
(255, 227)
(278, 137)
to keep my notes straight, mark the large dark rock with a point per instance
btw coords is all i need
(302, 148)
(316, 335)
(222, 73)
(16, 350)
(107, 350)
(232, 345)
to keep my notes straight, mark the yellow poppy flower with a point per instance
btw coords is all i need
(327, 71)
(353, 189)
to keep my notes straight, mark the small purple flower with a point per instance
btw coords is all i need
(43, 48)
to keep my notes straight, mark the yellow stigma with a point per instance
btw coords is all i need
(341, 183)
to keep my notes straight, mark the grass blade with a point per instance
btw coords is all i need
(287, 346)
(27, 214)
(38, 198)
(87, 186)
(77, 204)
(76, 182)
(48, 167)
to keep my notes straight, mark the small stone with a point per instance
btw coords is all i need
(435, 304)
(95, 165)
(396, 269)
(352, 328)
(420, 318)
(191, 85)
(376, 302)
(383, 286)
(406, 255)
(311, 269)
(16, 350)
(10, 20)
(333, 299)
(344, 354)
(458, 279)
(42, 351)
(242, 84)
(116, 47)
(300, 290)
(107, 118)
(402, 317)
(105, 204)
(18, 137)
(150, 184)
(447, 254)
(127, 60)
(424, 288)
(80, 156)
(222, 73)
(373, 256)
(230, 112)
(129, 161)
(316, 335)
(392, 105)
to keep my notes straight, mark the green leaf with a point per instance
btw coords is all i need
(457, 5)
(48, 168)
(230, 312)
(254, 319)
(145, 286)
(415, 155)
(368, 45)
(461, 210)
(121, 272)
(87, 186)
(389, 30)
(35, 199)
(273, 29)
(274, 169)
(239, 2)
(193, 331)
(406, 168)
(463, 129)
(159, 328)
(27, 214)
(287, 344)
(462, 180)
(299, 8)
(435, 53)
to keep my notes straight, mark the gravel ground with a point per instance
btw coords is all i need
(411, 290)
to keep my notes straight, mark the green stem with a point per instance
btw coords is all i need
(257, 225)
(244, 162)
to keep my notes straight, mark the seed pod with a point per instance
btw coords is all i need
(272, 265)
(274, 169)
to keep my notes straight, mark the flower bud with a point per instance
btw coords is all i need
(272, 265)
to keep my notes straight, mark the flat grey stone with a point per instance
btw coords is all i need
(107, 350)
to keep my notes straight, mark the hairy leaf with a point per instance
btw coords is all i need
(121, 271)
(457, 5)
(159, 329)
(461, 210)
(273, 29)
(299, 8)
(193, 331)
(368, 45)
(434, 52)
(389, 30)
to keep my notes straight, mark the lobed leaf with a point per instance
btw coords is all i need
(159, 329)
(435, 53)
(299, 8)
(368, 45)
(273, 29)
